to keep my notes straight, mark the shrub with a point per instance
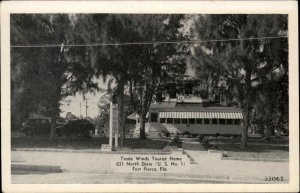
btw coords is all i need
(77, 129)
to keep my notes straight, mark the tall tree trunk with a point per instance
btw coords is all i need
(57, 80)
(120, 100)
(142, 126)
(52, 128)
(55, 111)
(246, 111)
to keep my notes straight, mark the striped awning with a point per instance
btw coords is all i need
(201, 115)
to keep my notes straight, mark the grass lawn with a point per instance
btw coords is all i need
(273, 149)
(77, 144)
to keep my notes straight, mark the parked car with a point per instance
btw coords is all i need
(36, 127)
(76, 129)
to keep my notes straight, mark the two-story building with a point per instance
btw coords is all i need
(188, 108)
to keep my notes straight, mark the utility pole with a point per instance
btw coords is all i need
(80, 109)
(86, 107)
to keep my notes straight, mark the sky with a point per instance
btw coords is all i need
(72, 103)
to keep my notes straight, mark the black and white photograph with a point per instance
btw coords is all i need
(150, 98)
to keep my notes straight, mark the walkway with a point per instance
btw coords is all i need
(192, 144)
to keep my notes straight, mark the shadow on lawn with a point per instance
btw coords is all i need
(254, 145)
(254, 149)
(249, 148)
(59, 143)
(77, 144)
(133, 143)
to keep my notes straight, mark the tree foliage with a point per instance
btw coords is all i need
(43, 76)
(239, 67)
(155, 64)
(111, 60)
(140, 65)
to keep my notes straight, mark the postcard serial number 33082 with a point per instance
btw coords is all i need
(274, 178)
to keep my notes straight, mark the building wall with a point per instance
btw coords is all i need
(154, 129)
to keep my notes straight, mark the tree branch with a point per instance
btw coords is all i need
(69, 78)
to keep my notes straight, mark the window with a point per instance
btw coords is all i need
(171, 90)
(237, 121)
(188, 88)
(214, 121)
(169, 120)
(191, 121)
(184, 121)
(204, 94)
(206, 121)
(176, 121)
(199, 121)
(153, 117)
(203, 86)
(229, 121)
(172, 94)
(222, 121)
(162, 120)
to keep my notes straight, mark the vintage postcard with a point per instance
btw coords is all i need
(149, 96)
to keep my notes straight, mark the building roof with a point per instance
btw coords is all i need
(201, 115)
(132, 116)
(160, 105)
(193, 107)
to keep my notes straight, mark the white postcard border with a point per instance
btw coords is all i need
(192, 7)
